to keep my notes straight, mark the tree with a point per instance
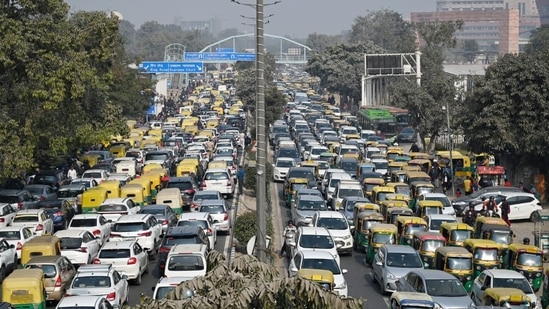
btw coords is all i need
(470, 50)
(248, 283)
(539, 41)
(386, 29)
(319, 42)
(340, 68)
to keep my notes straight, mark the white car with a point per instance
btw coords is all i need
(101, 280)
(87, 182)
(7, 213)
(335, 179)
(113, 208)
(95, 223)
(88, 302)
(502, 278)
(16, 236)
(36, 219)
(8, 258)
(202, 219)
(219, 213)
(314, 153)
(79, 246)
(435, 221)
(281, 168)
(142, 227)
(317, 239)
(446, 203)
(338, 226)
(127, 257)
(99, 175)
(381, 165)
(522, 205)
(166, 285)
(187, 261)
(320, 260)
(219, 180)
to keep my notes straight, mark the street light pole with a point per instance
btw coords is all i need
(451, 147)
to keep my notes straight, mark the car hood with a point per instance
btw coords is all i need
(305, 213)
(281, 169)
(339, 233)
(460, 302)
(400, 271)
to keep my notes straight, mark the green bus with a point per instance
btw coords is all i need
(378, 120)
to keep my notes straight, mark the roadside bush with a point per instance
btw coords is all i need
(250, 178)
(245, 227)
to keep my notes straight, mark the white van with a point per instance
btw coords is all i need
(346, 188)
(187, 261)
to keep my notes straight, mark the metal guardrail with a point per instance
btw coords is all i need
(290, 59)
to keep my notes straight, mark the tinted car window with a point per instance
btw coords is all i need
(129, 227)
(49, 270)
(114, 254)
(70, 243)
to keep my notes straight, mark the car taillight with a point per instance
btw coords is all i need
(2, 220)
(226, 216)
(209, 232)
(58, 282)
(165, 222)
(132, 261)
(20, 205)
(111, 296)
(149, 233)
(83, 249)
(164, 249)
(96, 232)
(39, 227)
(229, 183)
(96, 261)
(204, 184)
(189, 192)
(124, 213)
(115, 235)
(19, 246)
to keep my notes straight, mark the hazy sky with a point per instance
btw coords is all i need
(296, 18)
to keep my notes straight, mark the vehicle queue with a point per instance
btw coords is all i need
(158, 194)
(347, 187)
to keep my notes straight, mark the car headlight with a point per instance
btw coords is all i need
(347, 236)
(468, 278)
(342, 286)
(391, 276)
(478, 267)
(538, 275)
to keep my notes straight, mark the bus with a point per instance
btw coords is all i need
(402, 117)
(378, 120)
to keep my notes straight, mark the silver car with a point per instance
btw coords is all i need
(306, 207)
(392, 262)
(445, 289)
(219, 213)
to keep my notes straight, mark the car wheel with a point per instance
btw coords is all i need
(65, 225)
(2, 273)
(146, 271)
(394, 304)
(374, 279)
(137, 281)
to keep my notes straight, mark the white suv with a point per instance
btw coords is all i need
(315, 238)
(219, 180)
(101, 280)
(346, 188)
(187, 261)
(335, 178)
(336, 223)
(127, 257)
(202, 219)
(166, 285)
(113, 208)
(97, 224)
(143, 228)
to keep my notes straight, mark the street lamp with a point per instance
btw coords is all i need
(449, 132)
(261, 153)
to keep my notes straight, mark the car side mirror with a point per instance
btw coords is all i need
(482, 288)
(379, 263)
(12, 246)
(152, 288)
(294, 269)
(124, 277)
(344, 271)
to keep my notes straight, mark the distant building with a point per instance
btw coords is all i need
(211, 26)
(543, 11)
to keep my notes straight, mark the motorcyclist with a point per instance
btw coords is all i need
(490, 205)
(470, 215)
(526, 241)
(290, 228)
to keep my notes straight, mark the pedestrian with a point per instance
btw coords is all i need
(508, 183)
(534, 191)
(445, 182)
(468, 185)
(240, 179)
(414, 148)
(71, 173)
(475, 185)
(521, 186)
(505, 210)
(290, 228)
(434, 173)
(458, 193)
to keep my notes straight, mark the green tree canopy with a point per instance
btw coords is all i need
(319, 42)
(539, 41)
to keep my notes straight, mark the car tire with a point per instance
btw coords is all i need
(137, 281)
(394, 304)
(146, 271)
(2, 273)
(374, 279)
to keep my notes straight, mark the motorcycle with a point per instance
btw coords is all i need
(290, 241)
(469, 217)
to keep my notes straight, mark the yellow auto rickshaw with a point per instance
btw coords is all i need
(385, 205)
(428, 207)
(113, 188)
(480, 222)
(506, 298)
(365, 207)
(407, 226)
(393, 152)
(456, 261)
(324, 278)
(118, 151)
(368, 185)
(184, 169)
(93, 159)
(456, 233)
(379, 194)
(403, 300)
(145, 183)
(43, 245)
(92, 198)
(401, 189)
(362, 223)
(424, 164)
(329, 157)
(379, 235)
(419, 155)
(528, 260)
(134, 191)
(151, 166)
(400, 176)
(291, 188)
(426, 243)
(192, 129)
(397, 196)
(486, 254)
(314, 166)
(25, 289)
(419, 188)
(395, 212)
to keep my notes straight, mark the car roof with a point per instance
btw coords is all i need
(442, 217)
(311, 230)
(309, 197)
(156, 206)
(399, 248)
(172, 281)
(504, 273)
(132, 218)
(435, 195)
(212, 202)
(12, 228)
(44, 259)
(87, 216)
(329, 214)
(193, 216)
(285, 159)
(314, 254)
(72, 187)
(206, 192)
(29, 211)
(510, 194)
(184, 230)
(79, 300)
(72, 232)
(94, 171)
(118, 244)
(433, 274)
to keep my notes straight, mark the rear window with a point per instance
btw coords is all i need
(83, 222)
(68, 243)
(181, 240)
(10, 235)
(9, 199)
(69, 193)
(29, 218)
(185, 262)
(91, 282)
(129, 227)
(114, 253)
(213, 209)
(49, 270)
(112, 208)
(91, 175)
(201, 223)
(216, 176)
(181, 185)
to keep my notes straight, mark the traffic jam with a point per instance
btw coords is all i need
(141, 210)
(357, 184)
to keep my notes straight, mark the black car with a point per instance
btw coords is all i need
(53, 178)
(188, 185)
(60, 211)
(407, 134)
(180, 235)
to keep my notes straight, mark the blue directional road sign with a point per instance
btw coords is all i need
(172, 67)
(192, 56)
(225, 50)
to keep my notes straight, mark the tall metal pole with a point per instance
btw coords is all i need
(451, 148)
(261, 200)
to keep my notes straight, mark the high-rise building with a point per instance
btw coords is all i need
(211, 26)
(543, 11)
(525, 7)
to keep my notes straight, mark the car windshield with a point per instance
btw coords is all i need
(404, 260)
(216, 176)
(212, 209)
(152, 211)
(326, 264)
(529, 259)
(444, 200)
(316, 241)
(129, 227)
(112, 208)
(203, 224)
(434, 224)
(350, 192)
(49, 270)
(185, 262)
(412, 228)
(181, 240)
(27, 218)
(459, 263)
(383, 238)
(181, 185)
(86, 282)
(517, 283)
(301, 174)
(332, 223)
(35, 190)
(348, 166)
(445, 288)
(68, 193)
(403, 190)
(311, 205)
(158, 156)
(284, 163)
(83, 222)
(317, 151)
(10, 235)
(407, 131)
(461, 235)
(114, 254)
(290, 153)
(347, 150)
(486, 254)
(68, 243)
(161, 292)
(501, 237)
(381, 165)
(431, 245)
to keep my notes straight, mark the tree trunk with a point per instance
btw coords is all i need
(432, 143)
